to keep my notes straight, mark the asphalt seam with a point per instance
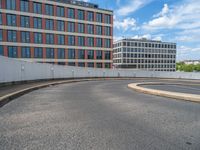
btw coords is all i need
(175, 95)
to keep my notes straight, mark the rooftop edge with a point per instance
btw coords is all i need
(81, 3)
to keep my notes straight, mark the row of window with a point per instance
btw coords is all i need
(144, 56)
(60, 25)
(61, 53)
(156, 62)
(82, 64)
(149, 67)
(61, 39)
(59, 11)
(149, 45)
(138, 50)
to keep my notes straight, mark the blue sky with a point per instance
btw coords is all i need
(167, 20)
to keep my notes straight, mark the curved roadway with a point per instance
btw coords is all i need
(98, 115)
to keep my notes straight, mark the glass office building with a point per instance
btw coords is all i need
(144, 54)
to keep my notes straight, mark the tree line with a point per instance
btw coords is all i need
(181, 66)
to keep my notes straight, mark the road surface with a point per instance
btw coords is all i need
(98, 115)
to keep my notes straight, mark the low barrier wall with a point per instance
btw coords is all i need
(12, 70)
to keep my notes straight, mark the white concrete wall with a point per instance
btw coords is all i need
(15, 70)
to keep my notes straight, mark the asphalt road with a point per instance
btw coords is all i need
(98, 115)
(190, 89)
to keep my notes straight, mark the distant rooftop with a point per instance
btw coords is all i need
(79, 3)
(142, 40)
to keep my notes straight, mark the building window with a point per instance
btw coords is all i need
(71, 27)
(99, 30)
(37, 23)
(61, 63)
(49, 52)
(107, 65)
(90, 29)
(99, 42)
(49, 24)
(71, 54)
(38, 38)
(1, 50)
(25, 52)
(99, 55)
(90, 54)
(81, 54)
(99, 17)
(0, 3)
(81, 41)
(81, 28)
(11, 4)
(60, 25)
(49, 9)
(90, 16)
(71, 64)
(71, 40)
(60, 11)
(61, 53)
(11, 20)
(49, 38)
(1, 35)
(24, 5)
(38, 53)
(99, 65)
(80, 14)
(107, 43)
(37, 8)
(107, 19)
(25, 21)
(12, 36)
(81, 64)
(1, 19)
(107, 55)
(25, 37)
(61, 39)
(90, 41)
(71, 13)
(107, 31)
(91, 65)
(12, 51)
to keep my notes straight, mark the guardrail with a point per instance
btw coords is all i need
(12, 70)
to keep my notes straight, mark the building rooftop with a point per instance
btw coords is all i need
(142, 40)
(80, 3)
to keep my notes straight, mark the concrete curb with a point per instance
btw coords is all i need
(9, 97)
(175, 95)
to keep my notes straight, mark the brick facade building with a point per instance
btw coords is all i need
(56, 31)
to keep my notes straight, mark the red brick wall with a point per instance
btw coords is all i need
(55, 28)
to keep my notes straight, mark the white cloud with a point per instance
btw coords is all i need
(85, 0)
(132, 6)
(164, 11)
(188, 35)
(184, 16)
(125, 24)
(186, 53)
(116, 38)
(158, 38)
(148, 36)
